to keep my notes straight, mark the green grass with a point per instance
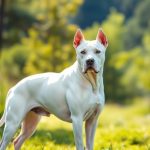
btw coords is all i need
(119, 128)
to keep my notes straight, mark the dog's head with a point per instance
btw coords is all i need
(90, 54)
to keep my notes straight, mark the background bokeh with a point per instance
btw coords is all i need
(36, 36)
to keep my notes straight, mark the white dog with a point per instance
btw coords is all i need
(74, 95)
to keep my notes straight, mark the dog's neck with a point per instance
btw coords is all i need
(95, 79)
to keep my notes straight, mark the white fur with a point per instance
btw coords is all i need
(70, 95)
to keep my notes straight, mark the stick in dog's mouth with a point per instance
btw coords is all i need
(91, 69)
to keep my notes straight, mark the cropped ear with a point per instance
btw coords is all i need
(101, 37)
(78, 38)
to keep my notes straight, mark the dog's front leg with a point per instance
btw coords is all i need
(90, 127)
(77, 129)
(74, 104)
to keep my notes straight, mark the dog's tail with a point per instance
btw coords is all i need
(2, 121)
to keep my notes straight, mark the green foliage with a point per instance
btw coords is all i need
(13, 61)
(97, 11)
(17, 20)
(48, 46)
(138, 25)
(53, 55)
(21, 15)
(135, 64)
(51, 39)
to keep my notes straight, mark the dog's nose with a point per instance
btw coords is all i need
(90, 62)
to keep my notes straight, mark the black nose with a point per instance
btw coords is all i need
(90, 62)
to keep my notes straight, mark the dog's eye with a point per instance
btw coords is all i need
(97, 51)
(83, 52)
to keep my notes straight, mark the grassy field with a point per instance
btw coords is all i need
(120, 128)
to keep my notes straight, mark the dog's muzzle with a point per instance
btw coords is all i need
(90, 66)
(90, 62)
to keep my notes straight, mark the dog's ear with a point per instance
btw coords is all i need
(101, 37)
(78, 38)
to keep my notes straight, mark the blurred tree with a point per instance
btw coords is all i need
(97, 11)
(13, 61)
(92, 11)
(2, 6)
(48, 46)
(135, 65)
(18, 18)
(126, 7)
(51, 39)
(138, 25)
(141, 66)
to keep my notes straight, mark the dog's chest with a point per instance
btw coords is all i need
(91, 111)
(92, 103)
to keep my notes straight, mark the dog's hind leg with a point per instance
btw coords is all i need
(28, 127)
(15, 112)
(10, 128)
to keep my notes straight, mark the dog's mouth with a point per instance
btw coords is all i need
(90, 69)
